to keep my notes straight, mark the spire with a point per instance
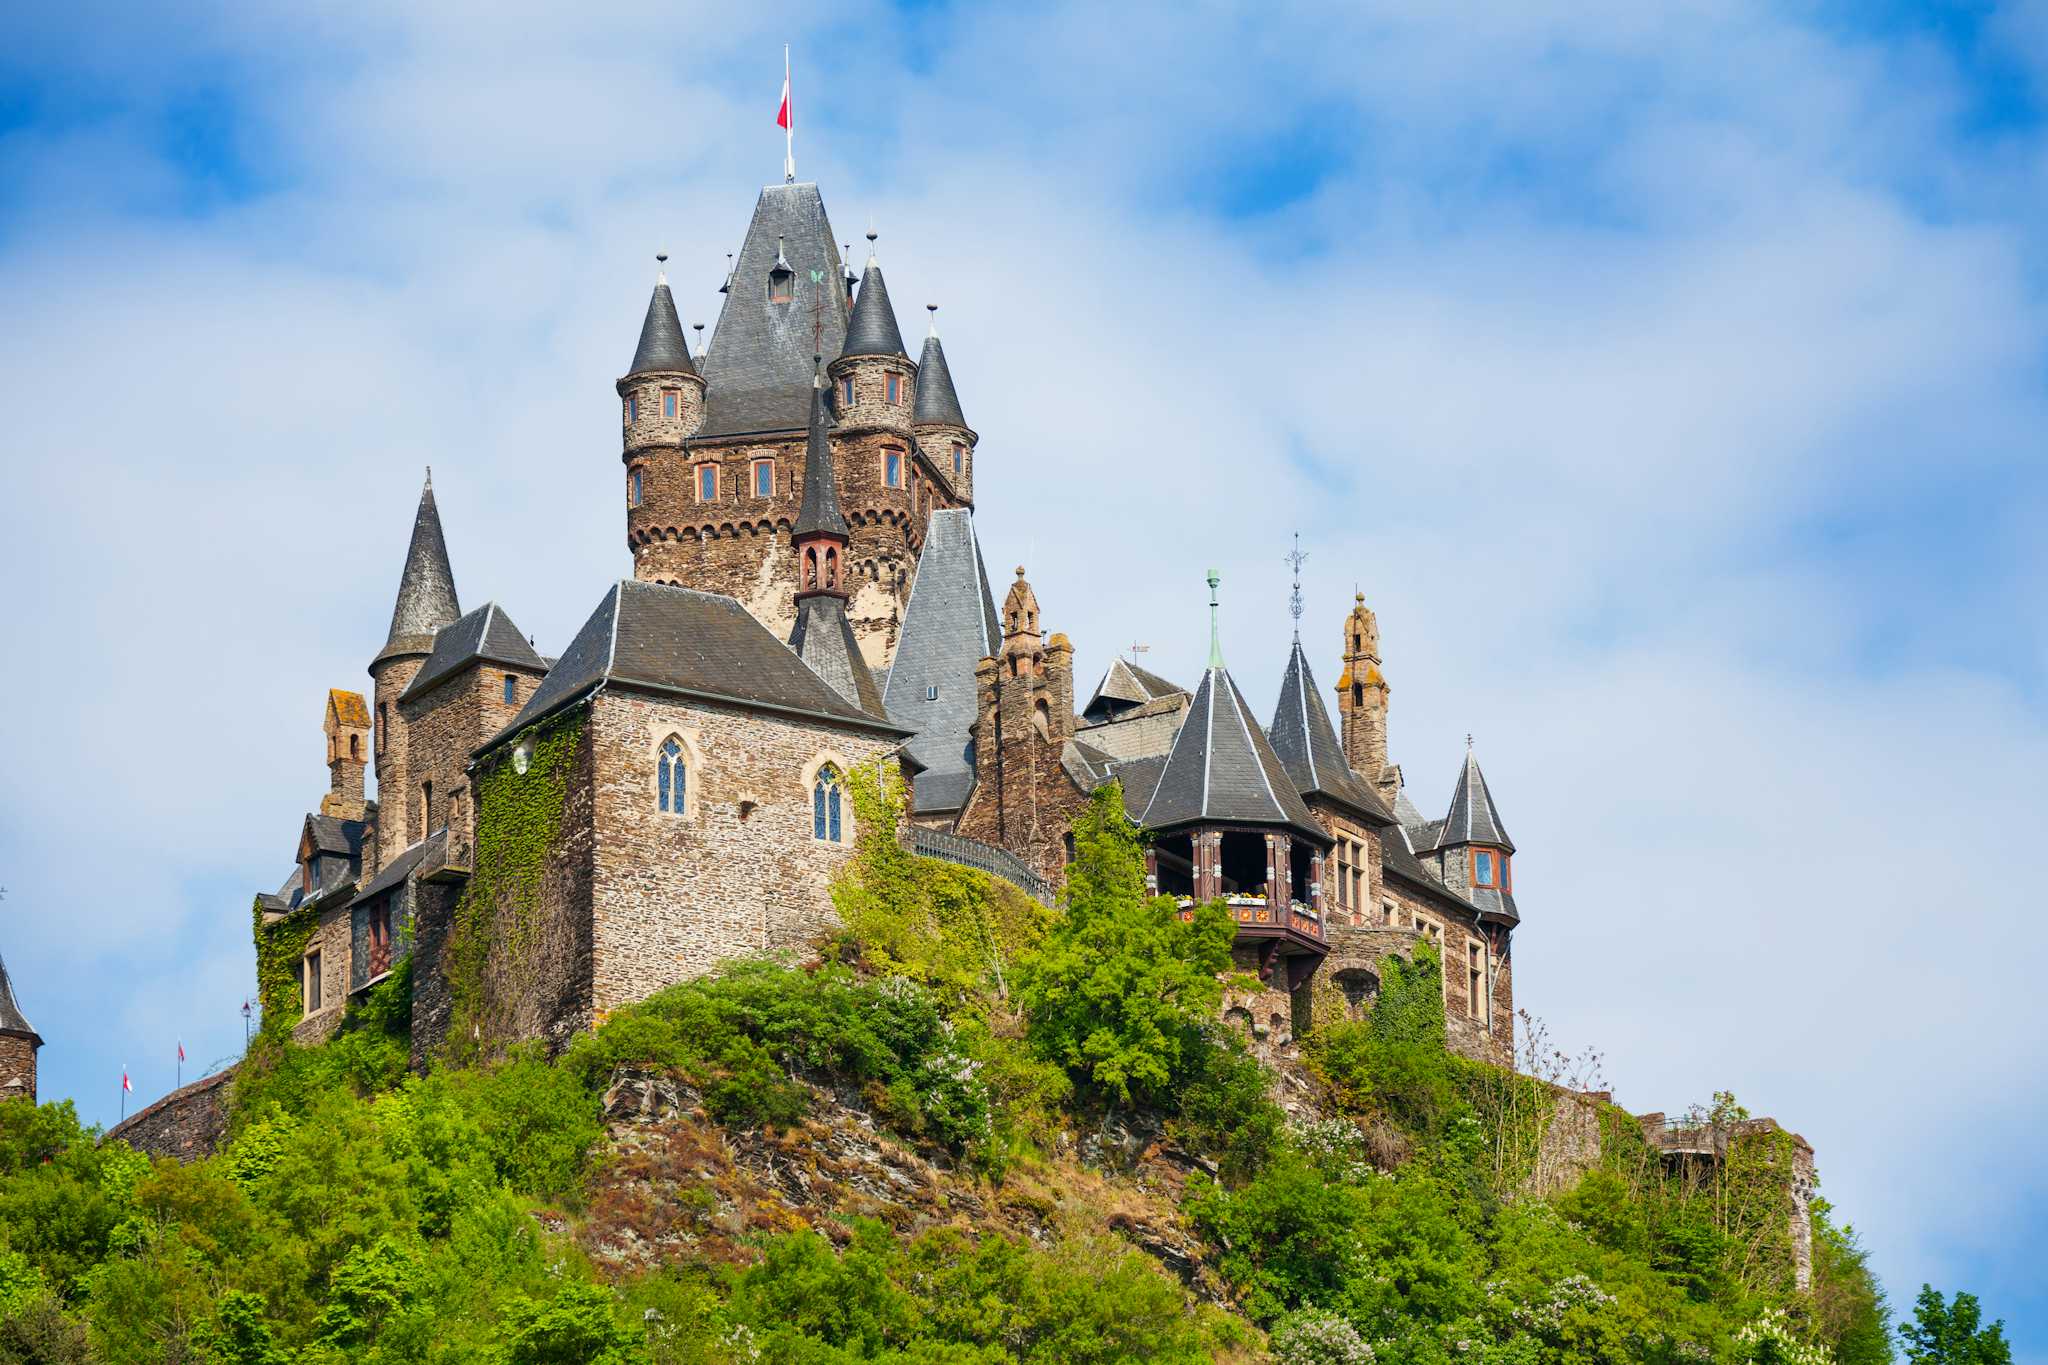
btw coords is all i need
(1473, 818)
(1296, 558)
(1306, 742)
(426, 590)
(819, 514)
(936, 402)
(11, 1018)
(872, 329)
(1215, 624)
(662, 349)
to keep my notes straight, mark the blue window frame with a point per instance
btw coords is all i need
(825, 805)
(1482, 868)
(511, 689)
(895, 387)
(672, 777)
(892, 468)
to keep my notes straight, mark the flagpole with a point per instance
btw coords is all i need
(789, 133)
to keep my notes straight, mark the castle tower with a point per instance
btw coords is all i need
(1473, 852)
(942, 431)
(1023, 798)
(1362, 704)
(347, 727)
(426, 602)
(885, 486)
(661, 405)
(822, 636)
(19, 1043)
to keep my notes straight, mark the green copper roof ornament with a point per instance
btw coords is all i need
(1215, 628)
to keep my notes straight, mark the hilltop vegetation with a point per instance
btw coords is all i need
(363, 1213)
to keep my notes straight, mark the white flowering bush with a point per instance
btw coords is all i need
(1313, 1336)
(1769, 1340)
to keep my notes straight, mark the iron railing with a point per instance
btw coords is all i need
(997, 862)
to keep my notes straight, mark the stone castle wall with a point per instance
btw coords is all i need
(444, 728)
(185, 1125)
(17, 1067)
(738, 871)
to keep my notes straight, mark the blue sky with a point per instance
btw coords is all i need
(1670, 378)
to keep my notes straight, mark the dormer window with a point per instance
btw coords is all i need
(781, 285)
(1489, 869)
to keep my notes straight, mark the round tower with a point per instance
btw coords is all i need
(19, 1043)
(941, 429)
(426, 602)
(887, 496)
(661, 405)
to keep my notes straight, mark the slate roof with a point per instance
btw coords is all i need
(331, 834)
(426, 590)
(1140, 778)
(486, 635)
(949, 626)
(823, 638)
(936, 400)
(1222, 769)
(1126, 685)
(819, 513)
(1421, 833)
(1307, 745)
(12, 1020)
(757, 371)
(400, 867)
(1473, 818)
(662, 349)
(872, 329)
(693, 644)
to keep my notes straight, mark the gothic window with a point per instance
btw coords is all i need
(355, 747)
(633, 489)
(671, 402)
(827, 796)
(892, 468)
(832, 567)
(846, 392)
(764, 478)
(672, 776)
(511, 689)
(810, 569)
(707, 483)
(892, 385)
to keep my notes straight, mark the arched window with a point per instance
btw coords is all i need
(355, 747)
(832, 567)
(827, 796)
(672, 777)
(810, 569)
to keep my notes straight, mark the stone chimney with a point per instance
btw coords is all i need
(348, 754)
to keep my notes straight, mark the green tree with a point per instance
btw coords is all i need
(1950, 1333)
(1123, 988)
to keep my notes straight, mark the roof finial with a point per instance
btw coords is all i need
(430, 476)
(1468, 741)
(725, 285)
(1297, 558)
(817, 370)
(872, 234)
(1215, 625)
(933, 310)
(698, 328)
(661, 267)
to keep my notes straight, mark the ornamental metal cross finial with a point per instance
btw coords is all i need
(1215, 628)
(1297, 558)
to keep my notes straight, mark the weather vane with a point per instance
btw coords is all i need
(1296, 558)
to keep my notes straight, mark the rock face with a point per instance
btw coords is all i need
(676, 1185)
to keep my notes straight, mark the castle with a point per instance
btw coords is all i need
(809, 597)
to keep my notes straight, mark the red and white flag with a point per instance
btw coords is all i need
(126, 1087)
(181, 1049)
(782, 118)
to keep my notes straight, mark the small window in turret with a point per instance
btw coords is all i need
(959, 459)
(630, 410)
(671, 402)
(892, 385)
(846, 392)
(892, 468)
(781, 286)
(1483, 868)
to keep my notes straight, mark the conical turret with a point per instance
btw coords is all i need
(426, 589)
(872, 329)
(662, 349)
(1306, 742)
(1473, 852)
(819, 513)
(941, 428)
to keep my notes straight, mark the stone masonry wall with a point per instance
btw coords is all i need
(1356, 948)
(389, 743)
(738, 871)
(17, 1067)
(185, 1125)
(433, 1004)
(333, 938)
(444, 728)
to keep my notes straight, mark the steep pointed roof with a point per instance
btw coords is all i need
(1473, 818)
(1222, 769)
(11, 1018)
(662, 349)
(949, 626)
(936, 402)
(486, 635)
(1307, 745)
(426, 590)
(758, 370)
(819, 514)
(872, 329)
(1124, 686)
(823, 638)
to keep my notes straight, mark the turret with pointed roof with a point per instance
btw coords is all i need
(942, 430)
(426, 603)
(823, 636)
(1307, 745)
(873, 374)
(1473, 851)
(872, 330)
(19, 1043)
